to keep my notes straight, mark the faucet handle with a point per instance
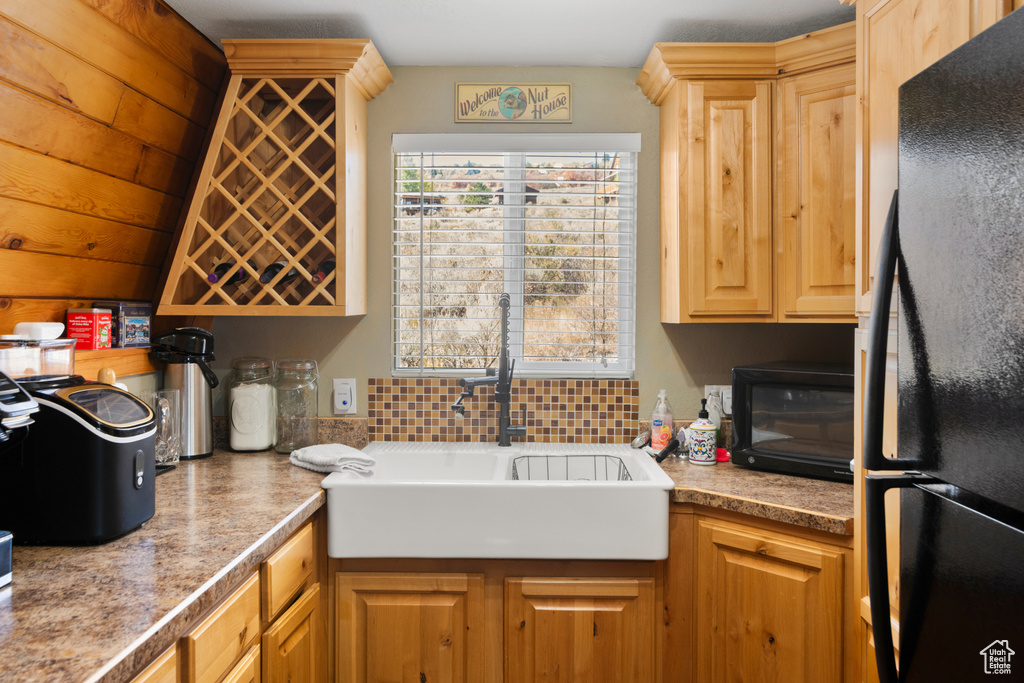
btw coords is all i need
(519, 429)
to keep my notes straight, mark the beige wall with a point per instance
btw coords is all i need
(680, 358)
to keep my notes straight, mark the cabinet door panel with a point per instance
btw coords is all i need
(291, 647)
(579, 630)
(727, 186)
(817, 194)
(896, 40)
(769, 607)
(410, 627)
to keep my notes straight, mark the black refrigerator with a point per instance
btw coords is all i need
(955, 239)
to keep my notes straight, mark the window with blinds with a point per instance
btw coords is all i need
(550, 219)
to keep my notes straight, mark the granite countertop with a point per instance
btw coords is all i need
(812, 503)
(100, 613)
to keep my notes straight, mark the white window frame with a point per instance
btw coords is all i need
(516, 147)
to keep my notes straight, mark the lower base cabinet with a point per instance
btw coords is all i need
(497, 623)
(247, 670)
(272, 629)
(769, 606)
(738, 599)
(291, 646)
(579, 630)
(221, 640)
(163, 670)
(410, 627)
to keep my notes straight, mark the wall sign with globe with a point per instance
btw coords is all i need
(508, 102)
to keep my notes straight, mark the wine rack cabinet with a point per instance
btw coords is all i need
(281, 192)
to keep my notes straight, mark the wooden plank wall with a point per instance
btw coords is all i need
(104, 105)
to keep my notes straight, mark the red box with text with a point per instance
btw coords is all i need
(90, 326)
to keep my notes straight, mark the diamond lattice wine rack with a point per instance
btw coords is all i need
(277, 221)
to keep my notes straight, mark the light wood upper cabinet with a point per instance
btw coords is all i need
(725, 256)
(283, 181)
(769, 607)
(725, 210)
(816, 194)
(897, 39)
(593, 630)
(409, 627)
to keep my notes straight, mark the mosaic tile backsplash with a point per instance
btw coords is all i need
(557, 410)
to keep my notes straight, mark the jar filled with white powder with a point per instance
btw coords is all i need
(252, 410)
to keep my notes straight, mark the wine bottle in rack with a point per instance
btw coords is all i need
(325, 269)
(240, 275)
(274, 268)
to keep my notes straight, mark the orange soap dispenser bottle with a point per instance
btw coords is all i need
(661, 422)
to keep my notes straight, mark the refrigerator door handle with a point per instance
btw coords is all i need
(878, 567)
(878, 333)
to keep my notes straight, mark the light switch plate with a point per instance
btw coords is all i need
(344, 396)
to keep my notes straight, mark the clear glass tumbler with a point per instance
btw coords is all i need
(166, 404)
(296, 392)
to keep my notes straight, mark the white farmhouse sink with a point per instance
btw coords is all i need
(475, 500)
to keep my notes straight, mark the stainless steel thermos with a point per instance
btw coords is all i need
(187, 352)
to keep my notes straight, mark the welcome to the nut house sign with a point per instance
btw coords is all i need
(520, 102)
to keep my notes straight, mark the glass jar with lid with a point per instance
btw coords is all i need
(252, 411)
(296, 392)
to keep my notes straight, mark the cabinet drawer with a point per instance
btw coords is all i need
(217, 643)
(163, 670)
(287, 572)
(247, 670)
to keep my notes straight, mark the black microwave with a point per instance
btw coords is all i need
(794, 418)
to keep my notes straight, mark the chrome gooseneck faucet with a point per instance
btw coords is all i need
(502, 381)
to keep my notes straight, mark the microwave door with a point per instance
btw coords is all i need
(795, 420)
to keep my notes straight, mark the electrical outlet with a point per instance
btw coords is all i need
(725, 390)
(344, 396)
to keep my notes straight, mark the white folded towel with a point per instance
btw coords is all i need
(334, 457)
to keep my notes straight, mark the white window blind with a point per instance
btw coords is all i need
(550, 219)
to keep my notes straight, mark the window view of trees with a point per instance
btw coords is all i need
(553, 230)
